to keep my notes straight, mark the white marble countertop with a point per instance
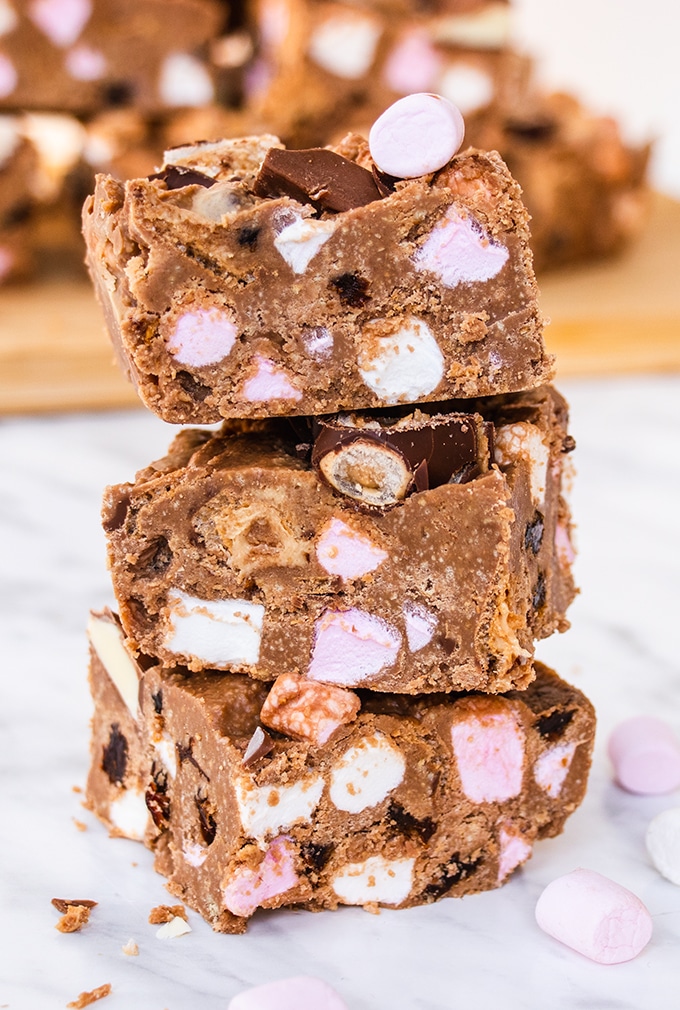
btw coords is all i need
(477, 951)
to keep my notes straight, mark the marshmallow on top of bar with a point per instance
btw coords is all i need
(243, 279)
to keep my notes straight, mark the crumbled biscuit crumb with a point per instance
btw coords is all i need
(87, 998)
(130, 948)
(76, 789)
(165, 913)
(75, 913)
(80, 824)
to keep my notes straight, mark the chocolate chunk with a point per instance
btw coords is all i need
(568, 443)
(317, 176)
(352, 289)
(62, 904)
(553, 725)
(383, 181)
(176, 177)
(259, 745)
(248, 236)
(451, 873)
(406, 824)
(379, 461)
(533, 534)
(315, 856)
(115, 755)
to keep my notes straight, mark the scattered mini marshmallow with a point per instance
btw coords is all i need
(663, 844)
(176, 927)
(645, 753)
(299, 993)
(416, 135)
(595, 916)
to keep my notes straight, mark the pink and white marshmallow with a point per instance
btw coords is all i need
(351, 646)
(300, 993)
(251, 888)
(645, 753)
(344, 551)
(416, 135)
(595, 916)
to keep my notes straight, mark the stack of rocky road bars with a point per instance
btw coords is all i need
(320, 688)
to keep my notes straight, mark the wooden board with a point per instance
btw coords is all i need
(612, 317)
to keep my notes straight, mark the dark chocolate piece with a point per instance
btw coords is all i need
(317, 176)
(382, 463)
(176, 176)
(259, 746)
(62, 904)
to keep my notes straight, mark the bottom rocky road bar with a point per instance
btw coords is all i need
(367, 799)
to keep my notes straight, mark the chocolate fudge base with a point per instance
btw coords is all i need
(413, 800)
(223, 302)
(234, 552)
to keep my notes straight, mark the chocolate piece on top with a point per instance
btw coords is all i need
(317, 176)
(379, 463)
(176, 176)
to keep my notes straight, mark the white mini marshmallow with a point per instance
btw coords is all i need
(645, 753)
(595, 916)
(299, 993)
(402, 364)
(552, 768)
(420, 625)
(167, 753)
(318, 342)
(8, 17)
(129, 814)
(300, 241)
(663, 844)
(366, 774)
(266, 810)
(202, 337)
(377, 879)
(218, 632)
(468, 87)
(524, 441)
(106, 639)
(416, 135)
(344, 44)
(184, 81)
(486, 29)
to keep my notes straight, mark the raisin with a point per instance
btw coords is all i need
(352, 289)
(538, 598)
(157, 702)
(450, 874)
(185, 753)
(248, 236)
(316, 855)
(206, 819)
(118, 93)
(553, 725)
(156, 798)
(196, 390)
(533, 534)
(407, 824)
(114, 756)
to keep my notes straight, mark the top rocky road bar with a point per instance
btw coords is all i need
(243, 280)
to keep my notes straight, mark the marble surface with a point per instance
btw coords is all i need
(481, 950)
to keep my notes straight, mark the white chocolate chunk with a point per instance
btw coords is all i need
(176, 927)
(300, 241)
(377, 879)
(184, 81)
(218, 632)
(488, 28)
(107, 641)
(552, 768)
(663, 843)
(344, 45)
(420, 625)
(467, 87)
(366, 774)
(524, 441)
(400, 359)
(265, 810)
(129, 814)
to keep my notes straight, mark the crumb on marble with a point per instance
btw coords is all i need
(80, 825)
(130, 948)
(76, 789)
(75, 913)
(87, 998)
(166, 913)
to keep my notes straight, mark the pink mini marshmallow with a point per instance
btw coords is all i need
(250, 888)
(61, 21)
(85, 63)
(645, 753)
(595, 916)
(300, 993)
(513, 850)
(417, 135)
(346, 552)
(8, 76)
(351, 646)
(6, 262)
(458, 252)
(269, 383)
(413, 64)
(203, 337)
(489, 748)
